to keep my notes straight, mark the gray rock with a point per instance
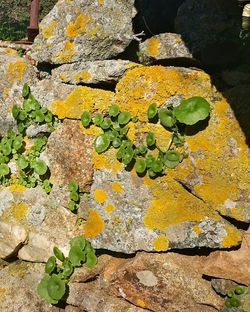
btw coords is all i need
(84, 30)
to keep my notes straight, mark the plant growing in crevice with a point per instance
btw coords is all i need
(115, 125)
(74, 196)
(58, 269)
(233, 297)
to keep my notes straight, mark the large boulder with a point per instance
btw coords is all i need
(84, 30)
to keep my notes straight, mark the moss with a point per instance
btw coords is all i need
(15, 71)
(94, 224)
(153, 45)
(78, 26)
(48, 30)
(100, 196)
(116, 187)
(65, 55)
(161, 243)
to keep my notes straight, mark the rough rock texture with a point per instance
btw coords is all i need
(34, 222)
(208, 26)
(107, 71)
(84, 30)
(233, 265)
(154, 282)
(167, 46)
(127, 213)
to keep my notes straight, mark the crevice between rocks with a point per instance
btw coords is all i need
(238, 224)
(189, 190)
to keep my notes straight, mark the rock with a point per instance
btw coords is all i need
(233, 265)
(69, 154)
(32, 224)
(167, 46)
(210, 27)
(90, 31)
(235, 78)
(107, 71)
(221, 286)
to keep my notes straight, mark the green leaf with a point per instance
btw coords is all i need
(101, 143)
(40, 167)
(235, 302)
(140, 165)
(29, 105)
(114, 110)
(230, 294)
(15, 111)
(78, 241)
(26, 90)
(192, 110)
(72, 205)
(98, 119)
(6, 149)
(22, 162)
(178, 140)
(50, 265)
(150, 139)
(58, 253)
(172, 158)
(106, 124)
(48, 117)
(228, 303)
(157, 166)
(149, 160)
(152, 111)
(74, 196)
(166, 118)
(56, 287)
(67, 268)
(239, 290)
(73, 186)
(151, 173)
(91, 259)
(22, 115)
(39, 116)
(141, 149)
(124, 118)
(86, 119)
(17, 143)
(4, 170)
(42, 290)
(127, 155)
(76, 255)
(116, 142)
(21, 127)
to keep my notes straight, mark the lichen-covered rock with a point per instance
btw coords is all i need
(40, 222)
(84, 30)
(107, 71)
(167, 46)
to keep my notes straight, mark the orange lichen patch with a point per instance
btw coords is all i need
(78, 26)
(131, 65)
(140, 303)
(47, 30)
(100, 196)
(237, 213)
(16, 188)
(109, 208)
(18, 211)
(82, 99)
(15, 71)
(143, 86)
(161, 243)
(197, 229)
(91, 130)
(106, 160)
(116, 187)
(232, 238)
(66, 54)
(153, 45)
(82, 76)
(94, 224)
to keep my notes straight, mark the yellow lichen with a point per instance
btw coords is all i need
(232, 238)
(15, 71)
(109, 208)
(246, 303)
(100, 2)
(18, 211)
(94, 224)
(237, 213)
(78, 26)
(91, 130)
(161, 243)
(116, 187)
(66, 54)
(63, 77)
(106, 160)
(3, 292)
(131, 65)
(47, 30)
(82, 99)
(100, 196)
(140, 303)
(6, 92)
(16, 188)
(10, 51)
(153, 45)
(197, 229)
(82, 76)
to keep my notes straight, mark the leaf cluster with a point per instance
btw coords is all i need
(58, 269)
(74, 196)
(233, 297)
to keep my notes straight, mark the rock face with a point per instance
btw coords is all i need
(92, 30)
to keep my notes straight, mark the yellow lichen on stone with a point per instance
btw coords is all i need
(10, 51)
(82, 99)
(15, 71)
(140, 303)
(47, 30)
(116, 187)
(78, 26)
(237, 213)
(6, 92)
(3, 292)
(232, 238)
(246, 303)
(100, 2)
(63, 77)
(94, 224)
(65, 55)
(161, 243)
(100, 196)
(82, 76)
(18, 211)
(153, 45)
(16, 188)
(197, 229)
(106, 160)
(109, 208)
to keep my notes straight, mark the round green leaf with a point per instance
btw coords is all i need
(228, 303)
(22, 162)
(239, 290)
(178, 140)
(58, 253)
(166, 118)
(150, 139)
(39, 116)
(151, 173)
(192, 110)
(29, 105)
(91, 260)
(17, 143)
(4, 170)
(50, 265)
(124, 118)
(67, 268)
(140, 165)
(73, 186)
(56, 287)
(116, 142)
(21, 127)
(127, 155)
(26, 90)
(15, 111)
(149, 160)
(40, 167)
(86, 119)
(114, 110)
(235, 302)
(157, 166)
(6, 149)
(76, 255)
(22, 115)
(78, 241)
(106, 124)
(72, 205)
(152, 111)
(98, 119)
(101, 143)
(172, 158)
(42, 290)
(230, 294)
(74, 196)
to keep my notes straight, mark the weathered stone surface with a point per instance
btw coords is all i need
(37, 220)
(208, 26)
(18, 288)
(69, 154)
(107, 71)
(221, 286)
(233, 265)
(92, 30)
(167, 46)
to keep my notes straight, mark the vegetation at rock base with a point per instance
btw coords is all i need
(233, 297)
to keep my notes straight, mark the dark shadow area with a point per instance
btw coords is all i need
(238, 224)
